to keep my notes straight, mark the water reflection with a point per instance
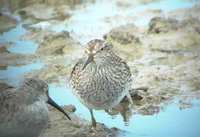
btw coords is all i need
(3, 67)
(170, 122)
(123, 109)
(14, 74)
(139, 120)
(63, 95)
(17, 45)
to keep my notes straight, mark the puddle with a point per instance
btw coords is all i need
(170, 121)
(16, 44)
(63, 95)
(14, 74)
(97, 19)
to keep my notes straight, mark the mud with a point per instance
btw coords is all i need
(59, 126)
(163, 56)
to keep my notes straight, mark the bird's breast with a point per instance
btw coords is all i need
(28, 120)
(101, 89)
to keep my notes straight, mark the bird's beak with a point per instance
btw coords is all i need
(89, 59)
(55, 105)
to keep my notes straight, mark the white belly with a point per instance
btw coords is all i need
(102, 101)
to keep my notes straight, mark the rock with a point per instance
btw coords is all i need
(186, 13)
(60, 127)
(4, 86)
(184, 104)
(19, 4)
(189, 77)
(13, 59)
(175, 47)
(3, 67)
(51, 73)
(136, 96)
(57, 44)
(63, 2)
(3, 49)
(126, 41)
(59, 51)
(149, 110)
(56, 68)
(64, 11)
(191, 24)
(188, 42)
(6, 23)
(128, 3)
(70, 108)
(162, 25)
(125, 34)
(40, 12)
(44, 10)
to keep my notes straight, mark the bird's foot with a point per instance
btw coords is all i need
(130, 99)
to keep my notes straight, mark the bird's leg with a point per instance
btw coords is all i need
(129, 98)
(93, 119)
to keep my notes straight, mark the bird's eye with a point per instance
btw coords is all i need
(102, 48)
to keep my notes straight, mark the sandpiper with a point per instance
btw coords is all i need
(23, 110)
(101, 79)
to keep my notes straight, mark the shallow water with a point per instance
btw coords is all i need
(93, 22)
(171, 121)
(97, 19)
(17, 45)
(14, 74)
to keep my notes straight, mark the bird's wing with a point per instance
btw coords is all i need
(9, 101)
(76, 73)
(128, 71)
(77, 67)
(126, 75)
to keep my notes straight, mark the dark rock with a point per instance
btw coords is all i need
(70, 108)
(149, 110)
(124, 34)
(191, 24)
(136, 97)
(6, 23)
(162, 25)
(3, 67)
(55, 44)
(3, 49)
(13, 59)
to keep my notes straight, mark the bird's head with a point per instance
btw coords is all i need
(96, 50)
(36, 87)
(38, 90)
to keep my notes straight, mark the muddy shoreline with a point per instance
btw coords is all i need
(163, 56)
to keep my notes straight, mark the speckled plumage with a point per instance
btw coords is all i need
(104, 82)
(23, 111)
